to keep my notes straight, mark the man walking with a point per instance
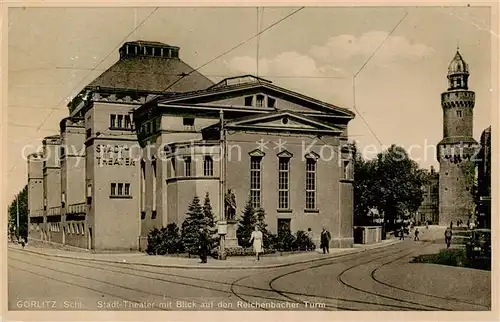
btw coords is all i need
(312, 246)
(204, 245)
(447, 236)
(325, 240)
(416, 235)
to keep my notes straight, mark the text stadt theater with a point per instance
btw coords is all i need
(143, 139)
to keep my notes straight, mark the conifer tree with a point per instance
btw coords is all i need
(246, 225)
(191, 226)
(260, 216)
(210, 222)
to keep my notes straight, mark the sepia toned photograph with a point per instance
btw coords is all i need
(252, 158)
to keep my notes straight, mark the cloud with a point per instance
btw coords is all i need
(287, 64)
(345, 48)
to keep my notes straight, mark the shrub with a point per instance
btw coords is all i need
(164, 241)
(302, 241)
(240, 251)
(246, 225)
(191, 226)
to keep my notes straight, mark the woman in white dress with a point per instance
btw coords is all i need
(257, 242)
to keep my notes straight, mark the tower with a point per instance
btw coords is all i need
(457, 149)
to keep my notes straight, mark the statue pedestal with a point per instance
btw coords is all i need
(231, 240)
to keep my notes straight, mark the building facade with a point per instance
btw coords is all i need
(457, 148)
(483, 201)
(428, 212)
(144, 138)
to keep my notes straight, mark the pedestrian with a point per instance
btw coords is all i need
(23, 242)
(427, 225)
(310, 234)
(468, 224)
(447, 236)
(401, 234)
(256, 239)
(204, 245)
(451, 225)
(325, 240)
(416, 234)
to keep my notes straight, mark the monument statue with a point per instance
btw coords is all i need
(230, 205)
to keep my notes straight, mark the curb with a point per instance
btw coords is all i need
(199, 266)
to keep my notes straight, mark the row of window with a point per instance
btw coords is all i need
(260, 100)
(118, 121)
(73, 228)
(283, 183)
(120, 189)
(208, 166)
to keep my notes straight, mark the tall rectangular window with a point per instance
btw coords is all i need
(255, 181)
(112, 121)
(208, 167)
(119, 123)
(120, 189)
(128, 124)
(127, 189)
(187, 166)
(459, 113)
(284, 183)
(260, 101)
(113, 189)
(311, 184)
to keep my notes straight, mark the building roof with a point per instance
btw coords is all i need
(151, 74)
(458, 65)
(246, 82)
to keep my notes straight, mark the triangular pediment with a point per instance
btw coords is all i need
(246, 92)
(284, 120)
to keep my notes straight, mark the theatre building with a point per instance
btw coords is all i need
(144, 138)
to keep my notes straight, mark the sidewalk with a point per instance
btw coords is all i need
(237, 262)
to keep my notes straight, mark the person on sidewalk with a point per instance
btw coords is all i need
(312, 246)
(447, 236)
(203, 246)
(427, 225)
(23, 243)
(402, 234)
(416, 235)
(256, 240)
(325, 240)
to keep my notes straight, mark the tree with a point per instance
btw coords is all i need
(246, 225)
(391, 183)
(23, 214)
(260, 218)
(208, 215)
(191, 226)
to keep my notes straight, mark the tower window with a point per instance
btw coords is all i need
(459, 113)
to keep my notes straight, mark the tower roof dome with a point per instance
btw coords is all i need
(458, 65)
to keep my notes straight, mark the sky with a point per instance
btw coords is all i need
(399, 54)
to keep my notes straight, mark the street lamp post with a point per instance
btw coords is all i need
(17, 217)
(222, 226)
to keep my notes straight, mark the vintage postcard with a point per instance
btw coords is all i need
(297, 160)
